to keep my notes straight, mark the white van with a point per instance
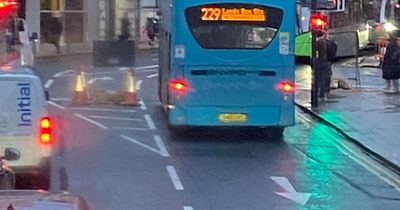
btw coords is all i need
(25, 123)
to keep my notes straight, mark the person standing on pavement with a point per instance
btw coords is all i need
(125, 24)
(322, 64)
(391, 64)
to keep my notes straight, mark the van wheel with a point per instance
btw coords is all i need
(7, 181)
(45, 176)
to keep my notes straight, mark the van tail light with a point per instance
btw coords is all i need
(286, 87)
(46, 134)
(178, 85)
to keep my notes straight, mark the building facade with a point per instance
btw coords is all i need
(72, 25)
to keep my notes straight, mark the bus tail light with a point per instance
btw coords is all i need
(45, 128)
(286, 87)
(178, 85)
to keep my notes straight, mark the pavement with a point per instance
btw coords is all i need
(364, 113)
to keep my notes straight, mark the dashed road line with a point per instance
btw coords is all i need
(49, 83)
(115, 118)
(103, 109)
(150, 122)
(56, 105)
(91, 121)
(60, 99)
(142, 105)
(146, 67)
(152, 75)
(188, 208)
(161, 146)
(129, 129)
(140, 144)
(174, 178)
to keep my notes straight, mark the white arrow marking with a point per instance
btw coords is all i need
(301, 198)
(93, 80)
(139, 84)
(60, 74)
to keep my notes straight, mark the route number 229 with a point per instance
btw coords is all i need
(211, 13)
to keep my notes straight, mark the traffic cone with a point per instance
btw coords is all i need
(129, 92)
(80, 93)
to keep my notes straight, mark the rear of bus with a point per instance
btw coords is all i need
(232, 64)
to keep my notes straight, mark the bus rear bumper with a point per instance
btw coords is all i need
(266, 116)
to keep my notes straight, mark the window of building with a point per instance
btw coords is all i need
(63, 21)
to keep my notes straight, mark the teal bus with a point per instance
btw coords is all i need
(227, 63)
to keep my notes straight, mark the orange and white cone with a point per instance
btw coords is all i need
(80, 93)
(129, 92)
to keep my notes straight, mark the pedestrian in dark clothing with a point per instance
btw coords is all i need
(322, 64)
(54, 32)
(125, 31)
(391, 65)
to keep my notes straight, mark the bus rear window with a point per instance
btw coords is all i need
(233, 26)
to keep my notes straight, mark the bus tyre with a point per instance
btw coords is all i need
(277, 133)
(177, 132)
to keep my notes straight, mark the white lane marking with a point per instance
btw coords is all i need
(130, 129)
(49, 83)
(60, 99)
(103, 109)
(60, 74)
(301, 198)
(56, 105)
(142, 105)
(146, 67)
(174, 177)
(161, 146)
(148, 70)
(188, 208)
(140, 144)
(123, 68)
(139, 68)
(115, 118)
(93, 80)
(91, 121)
(138, 84)
(150, 122)
(152, 75)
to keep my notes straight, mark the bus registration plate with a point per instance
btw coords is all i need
(232, 117)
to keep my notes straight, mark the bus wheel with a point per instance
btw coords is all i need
(276, 133)
(177, 132)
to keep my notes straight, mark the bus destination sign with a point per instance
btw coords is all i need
(233, 14)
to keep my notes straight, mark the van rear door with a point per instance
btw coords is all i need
(19, 108)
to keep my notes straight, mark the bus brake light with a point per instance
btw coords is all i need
(286, 87)
(45, 135)
(178, 85)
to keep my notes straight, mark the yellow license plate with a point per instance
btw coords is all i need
(231, 117)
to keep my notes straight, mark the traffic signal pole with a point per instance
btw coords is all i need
(314, 81)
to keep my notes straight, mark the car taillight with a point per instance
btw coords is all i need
(286, 87)
(46, 134)
(178, 85)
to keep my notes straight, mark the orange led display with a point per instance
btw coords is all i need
(235, 14)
